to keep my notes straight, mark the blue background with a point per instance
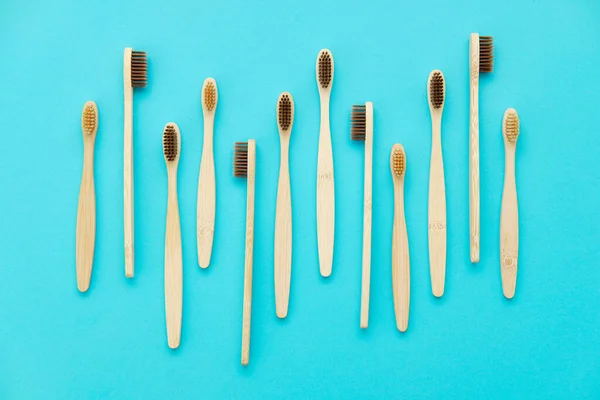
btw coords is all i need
(110, 343)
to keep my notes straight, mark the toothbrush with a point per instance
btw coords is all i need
(205, 215)
(325, 185)
(86, 210)
(283, 213)
(436, 93)
(400, 253)
(244, 165)
(173, 255)
(362, 130)
(481, 60)
(509, 216)
(135, 75)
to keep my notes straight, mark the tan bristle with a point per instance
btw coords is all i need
(284, 112)
(210, 95)
(486, 54)
(89, 118)
(511, 125)
(325, 67)
(358, 122)
(240, 159)
(398, 162)
(170, 145)
(139, 69)
(436, 89)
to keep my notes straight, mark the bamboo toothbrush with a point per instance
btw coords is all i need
(244, 165)
(362, 130)
(400, 253)
(173, 256)
(283, 213)
(325, 186)
(509, 217)
(135, 75)
(481, 60)
(86, 210)
(436, 94)
(205, 215)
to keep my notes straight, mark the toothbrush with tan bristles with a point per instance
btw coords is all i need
(86, 210)
(244, 166)
(436, 93)
(509, 216)
(173, 254)
(205, 211)
(135, 75)
(325, 184)
(481, 59)
(400, 252)
(362, 130)
(283, 211)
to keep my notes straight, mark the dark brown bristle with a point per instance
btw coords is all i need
(358, 122)
(170, 145)
(436, 90)
(139, 69)
(324, 68)
(285, 112)
(240, 159)
(486, 54)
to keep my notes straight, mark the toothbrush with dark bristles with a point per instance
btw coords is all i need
(481, 60)
(135, 75)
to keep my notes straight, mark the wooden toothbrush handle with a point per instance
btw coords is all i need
(173, 265)
(325, 194)
(283, 236)
(247, 312)
(474, 185)
(437, 213)
(400, 265)
(128, 181)
(367, 220)
(205, 216)
(509, 228)
(86, 220)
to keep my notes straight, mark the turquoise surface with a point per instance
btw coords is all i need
(110, 343)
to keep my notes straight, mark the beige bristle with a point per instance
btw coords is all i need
(285, 112)
(511, 125)
(209, 94)
(89, 118)
(486, 54)
(398, 161)
(358, 122)
(436, 89)
(240, 159)
(139, 69)
(325, 68)
(170, 145)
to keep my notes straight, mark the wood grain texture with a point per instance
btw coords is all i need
(400, 257)
(325, 182)
(128, 165)
(247, 312)
(86, 211)
(509, 221)
(206, 207)
(367, 218)
(437, 199)
(283, 225)
(474, 183)
(173, 255)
